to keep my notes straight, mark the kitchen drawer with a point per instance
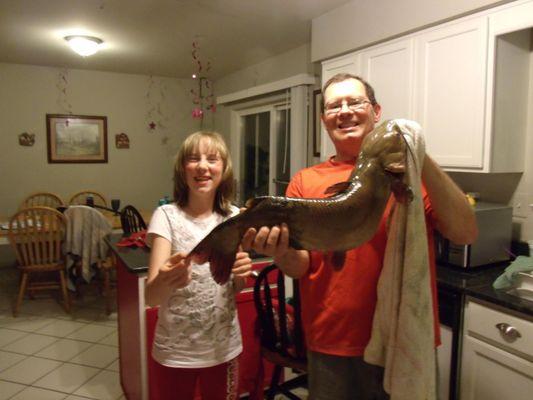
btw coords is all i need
(483, 322)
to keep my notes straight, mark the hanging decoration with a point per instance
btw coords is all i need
(27, 139)
(203, 98)
(62, 92)
(156, 118)
(122, 141)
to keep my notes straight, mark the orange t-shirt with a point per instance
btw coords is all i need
(338, 304)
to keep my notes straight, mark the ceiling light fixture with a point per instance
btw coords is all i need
(84, 45)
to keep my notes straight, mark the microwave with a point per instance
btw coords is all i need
(494, 222)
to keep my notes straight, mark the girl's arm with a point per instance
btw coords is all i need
(165, 272)
(242, 268)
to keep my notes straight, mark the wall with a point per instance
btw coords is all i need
(139, 175)
(358, 24)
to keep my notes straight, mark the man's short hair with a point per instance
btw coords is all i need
(343, 76)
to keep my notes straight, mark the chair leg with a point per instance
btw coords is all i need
(20, 296)
(274, 382)
(66, 299)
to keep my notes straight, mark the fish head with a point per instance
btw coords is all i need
(387, 144)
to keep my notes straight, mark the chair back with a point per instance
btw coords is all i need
(280, 326)
(45, 199)
(37, 235)
(131, 220)
(80, 198)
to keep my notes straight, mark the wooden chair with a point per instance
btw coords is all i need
(80, 198)
(37, 235)
(131, 220)
(280, 331)
(45, 199)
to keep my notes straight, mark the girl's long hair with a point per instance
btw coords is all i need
(225, 191)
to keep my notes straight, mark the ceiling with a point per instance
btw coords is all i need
(155, 37)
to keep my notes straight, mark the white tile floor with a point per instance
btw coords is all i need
(47, 354)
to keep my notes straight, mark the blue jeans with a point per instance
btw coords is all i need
(343, 378)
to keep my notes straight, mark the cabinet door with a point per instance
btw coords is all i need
(489, 373)
(389, 69)
(349, 63)
(450, 91)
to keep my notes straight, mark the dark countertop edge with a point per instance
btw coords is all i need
(135, 259)
(477, 284)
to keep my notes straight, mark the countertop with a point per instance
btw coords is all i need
(477, 283)
(474, 282)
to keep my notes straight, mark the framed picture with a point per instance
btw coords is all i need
(76, 138)
(317, 122)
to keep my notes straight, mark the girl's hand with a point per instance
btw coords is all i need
(242, 267)
(176, 271)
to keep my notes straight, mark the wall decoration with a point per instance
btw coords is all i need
(317, 122)
(122, 141)
(76, 138)
(62, 91)
(27, 139)
(203, 97)
(156, 118)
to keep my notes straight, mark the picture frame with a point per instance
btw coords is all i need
(76, 138)
(317, 122)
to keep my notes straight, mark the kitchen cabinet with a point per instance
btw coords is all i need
(389, 69)
(465, 81)
(497, 355)
(450, 91)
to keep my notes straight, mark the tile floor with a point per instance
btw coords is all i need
(47, 354)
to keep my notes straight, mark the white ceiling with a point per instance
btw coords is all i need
(155, 36)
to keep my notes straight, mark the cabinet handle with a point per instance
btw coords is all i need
(508, 331)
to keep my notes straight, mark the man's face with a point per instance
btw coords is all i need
(348, 116)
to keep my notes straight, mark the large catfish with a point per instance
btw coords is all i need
(346, 219)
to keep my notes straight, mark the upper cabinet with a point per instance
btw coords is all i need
(466, 82)
(450, 91)
(389, 69)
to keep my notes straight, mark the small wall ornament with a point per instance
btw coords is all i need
(122, 141)
(27, 139)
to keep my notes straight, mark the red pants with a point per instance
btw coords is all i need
(214, 383)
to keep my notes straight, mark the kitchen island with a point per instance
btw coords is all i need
(136, 324)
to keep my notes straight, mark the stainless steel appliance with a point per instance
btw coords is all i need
(494, 222)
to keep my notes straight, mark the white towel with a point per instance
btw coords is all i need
(403, 338)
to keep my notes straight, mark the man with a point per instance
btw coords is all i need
(338, 303)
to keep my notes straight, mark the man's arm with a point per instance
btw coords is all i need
(455, 218)
(274, 242)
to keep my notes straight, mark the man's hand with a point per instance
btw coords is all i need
(272, 242)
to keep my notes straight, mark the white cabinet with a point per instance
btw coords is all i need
(467, 82)
(450, 91)
(497, 356)
(389, 69)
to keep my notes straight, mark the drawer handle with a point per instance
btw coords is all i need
(508, 331)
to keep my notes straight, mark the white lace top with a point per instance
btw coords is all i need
(197, 325)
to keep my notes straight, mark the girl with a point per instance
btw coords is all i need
(197, 337)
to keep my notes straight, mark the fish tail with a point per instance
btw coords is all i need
(220, 265)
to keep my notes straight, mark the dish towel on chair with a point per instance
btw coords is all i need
(403, 338)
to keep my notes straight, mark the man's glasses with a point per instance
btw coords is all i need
(352, 104)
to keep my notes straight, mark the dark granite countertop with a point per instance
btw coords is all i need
(477, 283)
(134, 258)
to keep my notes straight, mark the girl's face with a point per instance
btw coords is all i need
(203, 170)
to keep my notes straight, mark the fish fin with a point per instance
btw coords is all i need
(220, 265)
(254, 201)
(338, 188)
(402, 192)
(337, 259)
